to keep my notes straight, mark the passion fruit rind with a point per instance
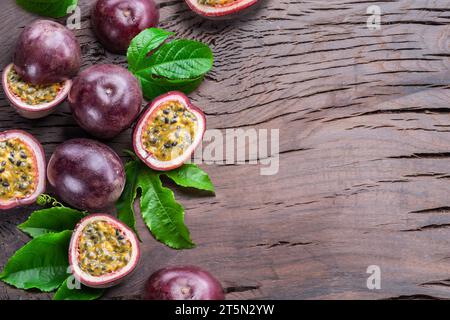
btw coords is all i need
(33, 101)
(22, 169)
(103, 251)
(220, 9)
(169, 131)
(47, 52)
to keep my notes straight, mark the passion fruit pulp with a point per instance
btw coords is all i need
(47, 53)
(117, 22)
(105, 100)
(103, 251)
(22, 169)
(220, 9)
(168, 132)
(29, 100)
(183, 283)
(86, 174)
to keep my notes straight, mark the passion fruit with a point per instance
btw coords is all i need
(168, 132)
(22, 169)
(220, 9)
(29, 100)
(86, 174)
(183, 283)
(102, 251)
(117, 22)
(47, 53)
(105, 100)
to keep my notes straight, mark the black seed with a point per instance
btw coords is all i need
(167, 145)
(3, 163)
(166, 111)
(166, 120)
(120, 237)
(23, 155)
(18, 163)
(11, 160)
(174, 144)
(174, 121)
(2, 170)
(5, 184)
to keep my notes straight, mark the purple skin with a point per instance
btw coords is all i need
(86, 174)
(47, 52)
(183, 283)
(117, 22)
(105, 100)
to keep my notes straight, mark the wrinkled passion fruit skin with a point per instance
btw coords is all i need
(86, 174)
(105, 100)
(47, 52)
(183, 283)
(117, 22)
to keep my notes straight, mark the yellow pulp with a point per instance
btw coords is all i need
(216, 3)
(32, 94)
(18, 172)
(103, 249)
(170, 131)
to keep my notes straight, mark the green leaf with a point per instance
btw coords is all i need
(83, 293)
(179, 59)
(48, 8)
(153, 87)
(42, 263)
(143, 44)
(161, 213)
(161, 67)
(190, 175)
(54, 219)
(124, 206)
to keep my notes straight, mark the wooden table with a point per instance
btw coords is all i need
(364, 150)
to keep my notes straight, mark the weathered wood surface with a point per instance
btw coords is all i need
(364, 150)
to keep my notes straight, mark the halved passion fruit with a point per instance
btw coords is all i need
(216, 9)
(103, 251)
(22, 169)
(33, 101)
(169, 131)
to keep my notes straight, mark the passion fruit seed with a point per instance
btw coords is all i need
(103, 249)
(170, 132)
(32, 94)
(17, 170)
(215, 2)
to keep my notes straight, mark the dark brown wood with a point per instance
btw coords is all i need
(365, 150)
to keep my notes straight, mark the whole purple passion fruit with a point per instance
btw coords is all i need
(103, 251)
(168, 132)
(105, 100)
(86, 174)
(117, 22)
(22, 169)
(183, 283)
(220, 9)
(47, 53)
(33, 101)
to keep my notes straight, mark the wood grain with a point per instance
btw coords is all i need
(364, 150)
